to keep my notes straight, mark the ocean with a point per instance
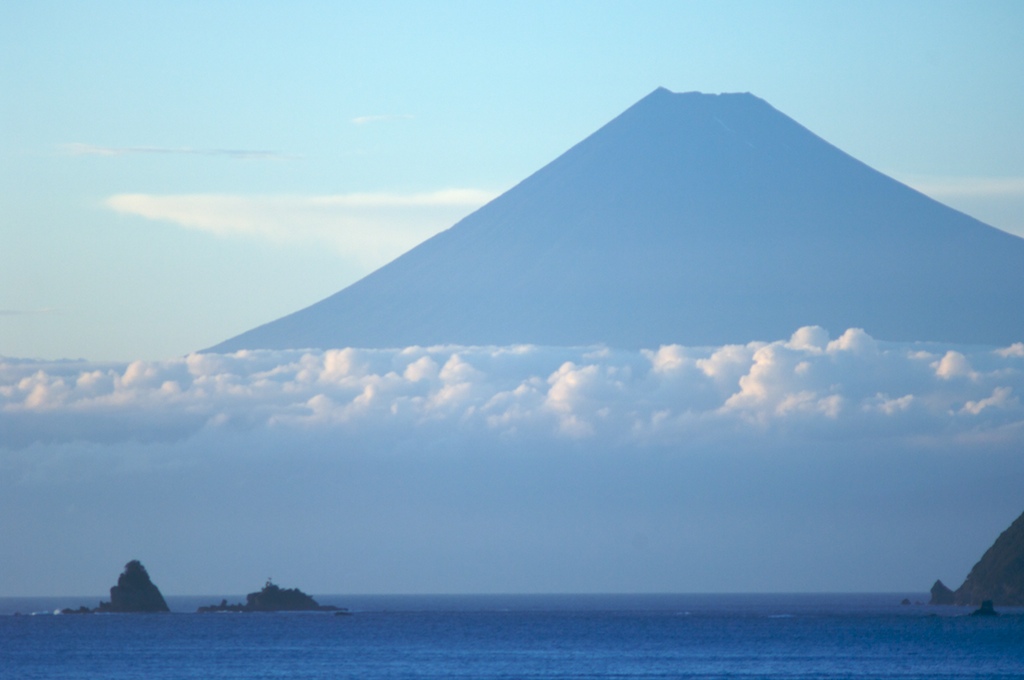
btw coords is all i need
(520, 636)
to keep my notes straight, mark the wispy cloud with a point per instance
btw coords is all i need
(965, 187)
(27, 312)
(368, 227)
(80, 149)
(999, 201)
(363, 120)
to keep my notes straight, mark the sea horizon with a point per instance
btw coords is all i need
(560, 601)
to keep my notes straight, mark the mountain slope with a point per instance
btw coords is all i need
(690, 218)
(999, 574)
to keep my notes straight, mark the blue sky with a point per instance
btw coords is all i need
(175, 173)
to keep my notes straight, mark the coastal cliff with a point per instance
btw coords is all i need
(999, 574)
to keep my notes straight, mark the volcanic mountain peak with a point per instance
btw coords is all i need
(689, 218)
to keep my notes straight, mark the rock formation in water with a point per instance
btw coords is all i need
(999, 574)
(273, 598)
(134, 593)
(941, 594)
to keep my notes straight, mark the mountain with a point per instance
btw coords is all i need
(999, 574)
(690, 218)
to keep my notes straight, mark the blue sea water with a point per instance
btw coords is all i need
(516, 636)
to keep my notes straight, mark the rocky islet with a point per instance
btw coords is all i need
(135, 593)
(272, 598)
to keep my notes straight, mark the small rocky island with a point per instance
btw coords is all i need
(998, 577)
(134, 593)
(273, 598)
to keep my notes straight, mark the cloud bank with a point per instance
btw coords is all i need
(848, 387)
(370, 228)
(805, 464)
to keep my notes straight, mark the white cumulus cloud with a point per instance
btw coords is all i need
(853, 385)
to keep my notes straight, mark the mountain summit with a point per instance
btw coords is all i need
(690, 218)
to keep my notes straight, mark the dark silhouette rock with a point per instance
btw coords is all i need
(999, 574)
(222, 607)
(941, 594)
(273, 598)
(986, 609)
(80, 610)
(134, 593)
